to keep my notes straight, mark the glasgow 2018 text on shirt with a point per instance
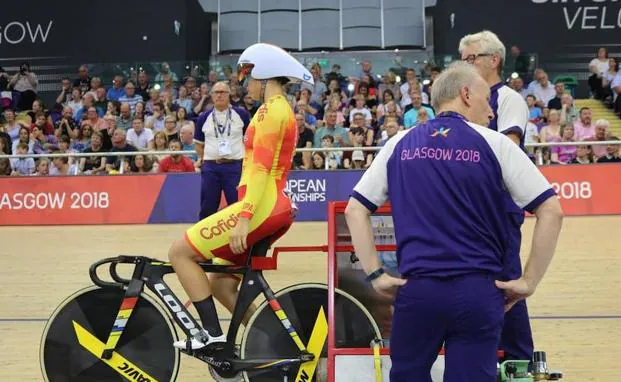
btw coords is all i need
(436, 153)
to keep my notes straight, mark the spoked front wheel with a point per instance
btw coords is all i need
(76, 333)
(265, 336)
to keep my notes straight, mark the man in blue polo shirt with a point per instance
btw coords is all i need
(487, 54)
(447, 181)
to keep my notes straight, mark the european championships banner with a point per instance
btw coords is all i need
(174, 198)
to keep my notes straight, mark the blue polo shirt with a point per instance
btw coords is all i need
(448, 181)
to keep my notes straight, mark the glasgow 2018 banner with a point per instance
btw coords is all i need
(174, 198)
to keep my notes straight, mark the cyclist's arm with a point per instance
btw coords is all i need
(267, 139)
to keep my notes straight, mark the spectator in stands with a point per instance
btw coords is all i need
(65, 91)
(190, 83)
(88, 102)
(182, 118)
(154, 97)
(204, 102)
(555, 103)
(359, 123)
(130, 96)
(101, 101)
(333, 159)
(360, 108)
(535, 114)
(94, 164)
(64, 147)
(42, 121)
(84, 138)
(184, 101)
(83, 81)
(25, 82)
(318, 161)
(24, 137)
(143, 85)
(391, 128)
(609, 76)
(598, 68)
(117, 90)
(186, 137)
(612, 152)
(170, 107)
(584, 155)
(568, 110)
(250, 105)
(139, 112)
(165, 72)
(62, 167)
(176, 162)
(66, 125)
(156, 122)
(140, 137)
(387, 96)
(159, 144)
(411, 115)
(359, 138)
(22, 166)
(542, 89)
(335, 74)
(305, 140)
(113, 108)
(319, 88)
(170, 128)
(391, 112)
(601, 134)
(553, 129)
(12, 126)
(76, 102)
(4, 82)
(37, 106)
(5, 145)
(615, 87)
(94, 120)
(583, 128)
(411, 82)
(119, 145)
(142, 164)
(43, 144)
(389, 82)
(330, 127)
(369, 92)
(564, 154)
(43, 167)
(5, 167)
(517, 84)
(96, 83)
(125, 119)
(366, 69)
(422, 116)
(168, 86)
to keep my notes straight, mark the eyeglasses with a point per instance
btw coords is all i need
(473, 57)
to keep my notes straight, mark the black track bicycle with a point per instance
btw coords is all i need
(117, 330)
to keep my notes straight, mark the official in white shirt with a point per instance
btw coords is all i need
(219, 138)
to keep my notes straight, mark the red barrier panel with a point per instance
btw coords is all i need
(78, 200)
(587, 190)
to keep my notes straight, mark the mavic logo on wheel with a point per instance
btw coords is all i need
(132, 373)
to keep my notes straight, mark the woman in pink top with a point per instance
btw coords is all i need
(564, 154)
(553, 129)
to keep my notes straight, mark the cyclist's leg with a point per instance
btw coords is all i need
(225, 286)
(201, 241)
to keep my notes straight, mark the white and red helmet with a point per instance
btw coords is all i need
(265, 61)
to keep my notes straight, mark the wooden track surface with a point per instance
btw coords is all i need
(576, 311)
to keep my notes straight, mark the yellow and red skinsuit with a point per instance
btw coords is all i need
(270, 142)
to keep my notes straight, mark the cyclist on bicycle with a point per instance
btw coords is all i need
(263, 210)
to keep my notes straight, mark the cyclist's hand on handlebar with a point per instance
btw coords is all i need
(237, 240)
(387, 285)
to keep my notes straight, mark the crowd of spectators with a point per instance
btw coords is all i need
(135, 115)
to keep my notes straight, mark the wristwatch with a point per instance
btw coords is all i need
(374, 275)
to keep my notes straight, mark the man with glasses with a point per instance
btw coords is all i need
(130, 96)
(487, 53)
(219, 138)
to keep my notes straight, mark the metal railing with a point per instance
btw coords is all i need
(122, 155)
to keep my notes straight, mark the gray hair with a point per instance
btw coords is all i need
(488, 42)
(187, 126)
(603, 122)
(449, 83)
(221, 83)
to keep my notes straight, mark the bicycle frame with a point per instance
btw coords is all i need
(151, 272)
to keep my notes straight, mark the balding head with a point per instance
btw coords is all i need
(461, 89)
(186, 133)
(125, 110)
